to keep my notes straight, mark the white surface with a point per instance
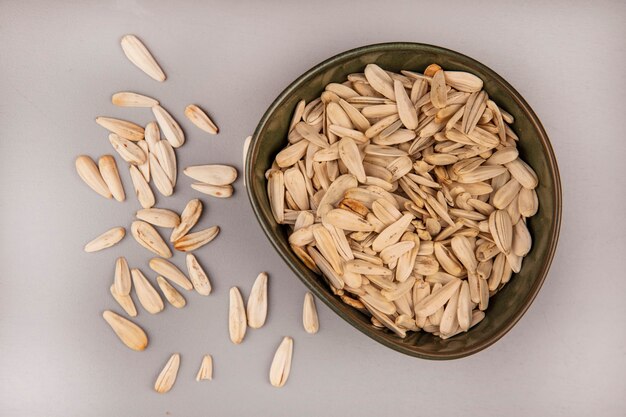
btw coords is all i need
(61, 61)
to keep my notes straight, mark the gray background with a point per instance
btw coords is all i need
(61, 61)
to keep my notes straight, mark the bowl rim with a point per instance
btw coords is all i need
(520, 101)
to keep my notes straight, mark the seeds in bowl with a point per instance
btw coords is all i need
(407, 193)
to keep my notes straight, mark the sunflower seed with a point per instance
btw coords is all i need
(310, 320)
(351, 157)
(309, 133)
(406, 109)
(501, 229)
(110, 175)
(257, 302)
(170, 128)
(144, 167)
(121, 280)
(152, 135)
(89, 173)
(348, 220)
(193, 241)
(438, 93)
(212, 174)
(167, 159)
(392, 233)
(236, 317)
(219, 191)
(128, 332)
(160, 178)
(129, 151)
(139, 55)
(522, 240)
(358, 120)
(505, 194)
(122, 128)
(159, 217)
(437, 299)
(523, 173)
(171, 294)
(326, 269)
(327, 248)
(200, 119)
(128, 99)
(528, 204)
(464, 307)
(295, 184)
(148, 297)
(380, 81)
(170, 271)
(379, 110)
(281, 364)
(188, 219)
(166, 379)
(125, 301)
(199, 278)
(446, 260)
(381, 125)
(147, 236)
(449, 319)
(106, 239)
(206, 369)
(463, 81)
(464, 251)
(142, 189)
(482, 173)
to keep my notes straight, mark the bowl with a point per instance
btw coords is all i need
(508, 305)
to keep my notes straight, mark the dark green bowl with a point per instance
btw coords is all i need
(506, 307)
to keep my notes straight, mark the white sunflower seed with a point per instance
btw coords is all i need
(122, 128)
(528, 204)
(160, 178)
(169, 126)
(193, 241)
(138, 54)
(106, 239)
(121, 280)
(200, 119)
(142, 189)
(236, 317)
(159, 217)
(257, 302)
(129, 151)
(148, 297)
(219, 191)
(129, 99)
(89, 173)
(199, 278)
(166, 156)
(281, 364)
(125, 301)
(170, 271)
(406, 109)
(128, 332)
(310, 320)
(206, 369)
(166, 379)
(147, 236)
(111, 176)
(189, 217)
(171, 294)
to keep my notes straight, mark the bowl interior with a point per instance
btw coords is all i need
(506, 307)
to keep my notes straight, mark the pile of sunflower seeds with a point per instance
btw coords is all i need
(153, 160)
(406, 192)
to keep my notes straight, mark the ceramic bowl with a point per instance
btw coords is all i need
(508, 305)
